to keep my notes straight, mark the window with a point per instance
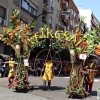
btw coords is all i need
(64, 28)
(50, 20)
(71, 22)
(44, 18)
(96, 22)
(57, 12)
(2, 12)
(59, 23)
(25, 21)
(52, 4)
(32, 9)
(56, 27)
(72, 32)
(66, 4)
(74, 13)
(25, 4)
(68, 28)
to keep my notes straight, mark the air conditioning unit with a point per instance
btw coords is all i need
(4, 22)
(0, 20)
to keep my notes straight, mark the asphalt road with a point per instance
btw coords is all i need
(57, 90)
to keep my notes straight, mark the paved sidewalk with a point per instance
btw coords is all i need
(6, 94)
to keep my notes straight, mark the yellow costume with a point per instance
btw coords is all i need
(90, 64)
(11, 68)
(48, 74)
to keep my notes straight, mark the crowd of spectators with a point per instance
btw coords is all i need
(4, 69)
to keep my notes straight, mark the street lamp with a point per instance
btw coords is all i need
(41, 15)
(68, 12)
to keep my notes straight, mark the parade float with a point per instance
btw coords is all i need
(23, 40)
(18, 37)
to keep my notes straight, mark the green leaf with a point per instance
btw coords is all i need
(93, 32)
(78, 49)
(33, 24)
(82, 18)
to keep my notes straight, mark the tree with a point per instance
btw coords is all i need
(18, 37)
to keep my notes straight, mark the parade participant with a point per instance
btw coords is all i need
(11, 65)
(90, 77)
(48, 74)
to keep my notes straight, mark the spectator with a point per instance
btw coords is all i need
(1, 70)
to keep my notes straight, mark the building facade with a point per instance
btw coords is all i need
(51, 19)
(28, 11)
(68, 20)
(90, 20)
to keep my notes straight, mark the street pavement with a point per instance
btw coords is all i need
(6, 94)
(57, 90)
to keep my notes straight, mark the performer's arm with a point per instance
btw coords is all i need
(85, 67)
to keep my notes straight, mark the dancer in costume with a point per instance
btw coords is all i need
(11, 63)
(48, 74)
(90, 77)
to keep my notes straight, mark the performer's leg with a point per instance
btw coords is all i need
(44, 84)
(49, 84)
(9, 80)
(86, 85)
(90, 87)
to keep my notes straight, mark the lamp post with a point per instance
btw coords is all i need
(41, 15)
(68, 12)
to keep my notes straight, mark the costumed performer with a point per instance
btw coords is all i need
(90, 77)
(48, 74)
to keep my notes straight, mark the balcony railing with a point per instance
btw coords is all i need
(16, 2)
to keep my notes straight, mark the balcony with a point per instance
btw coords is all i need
(63, 27)
(65, 5)
(16, 2)
(64, 17)
(45, 5)
(94, 23)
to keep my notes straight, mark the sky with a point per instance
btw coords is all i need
(94, 5)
